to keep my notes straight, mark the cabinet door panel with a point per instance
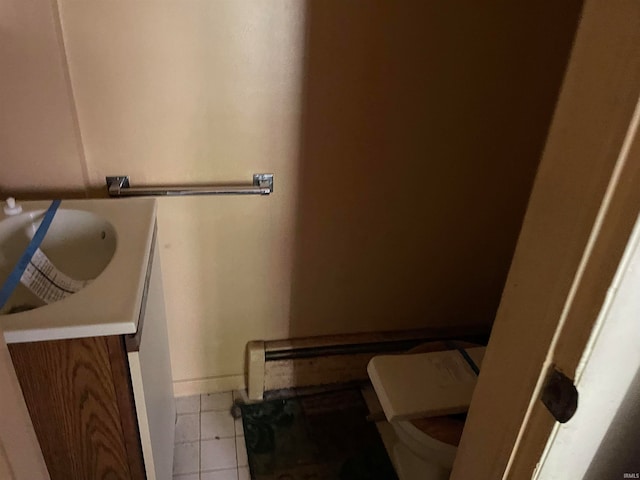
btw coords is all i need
(75, 407)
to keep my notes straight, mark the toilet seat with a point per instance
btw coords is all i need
(432, 439)
(446, 429)
(418, 393)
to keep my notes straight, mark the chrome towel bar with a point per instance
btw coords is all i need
(118, 186)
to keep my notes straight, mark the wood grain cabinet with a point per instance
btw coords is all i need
(80, 399)
(102, 407)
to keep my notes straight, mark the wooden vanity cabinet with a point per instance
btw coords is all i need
(102, 406)
(80, 399)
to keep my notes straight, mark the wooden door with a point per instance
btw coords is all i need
(583, 206)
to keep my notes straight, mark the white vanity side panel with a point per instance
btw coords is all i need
(141, 412)
(153, 385)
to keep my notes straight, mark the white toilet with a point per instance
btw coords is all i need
(423, 394)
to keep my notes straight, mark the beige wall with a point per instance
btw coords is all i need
(39, 139)
(404, 138)
(422, 127)
(194, 92)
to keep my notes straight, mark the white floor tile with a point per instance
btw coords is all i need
(231, 474)
(188, 404)
(191, 476)
(216, 424)
(218, 454)
(216, 401)
(241, 449)
(239, 427)
(187, 428)
(243, 473)
(186, 458)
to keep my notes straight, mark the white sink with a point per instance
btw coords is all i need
(106, 242)
(79, 243)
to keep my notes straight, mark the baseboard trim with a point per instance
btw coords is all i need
(324, 360)
(183, 388)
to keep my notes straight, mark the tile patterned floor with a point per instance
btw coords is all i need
(209, 443)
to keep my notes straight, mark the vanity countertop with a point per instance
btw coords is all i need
(111, 303)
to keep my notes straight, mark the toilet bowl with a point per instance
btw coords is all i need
(424, 397)
(426, 448)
